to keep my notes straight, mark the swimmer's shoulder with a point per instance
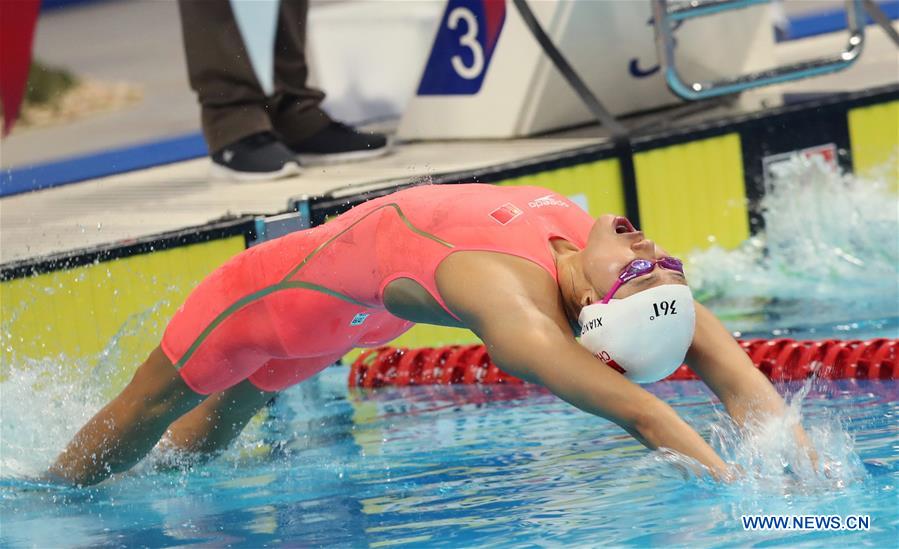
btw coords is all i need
(490, 286)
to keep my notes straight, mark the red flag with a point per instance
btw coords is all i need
(18, 18)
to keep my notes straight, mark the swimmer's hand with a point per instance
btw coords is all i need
(732, 473)
(728, 473)
(691, 468)
(806, 445)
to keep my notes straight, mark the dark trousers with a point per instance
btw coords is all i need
(233, 104)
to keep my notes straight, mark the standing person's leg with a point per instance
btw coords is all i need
(296, 115)
(232, 102)
(234, 108)
(296, 111)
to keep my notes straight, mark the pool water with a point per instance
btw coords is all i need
(450, 466)
(828, 258)
(470, 466)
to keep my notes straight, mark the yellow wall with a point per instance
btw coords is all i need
(692, 195)
(874, 138)
(599, 182)
(119, 306)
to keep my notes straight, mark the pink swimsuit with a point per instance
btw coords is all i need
(282, 311)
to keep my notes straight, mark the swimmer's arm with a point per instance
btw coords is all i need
(718, 359)
(728, 371)
(537, 350)
(516, 309)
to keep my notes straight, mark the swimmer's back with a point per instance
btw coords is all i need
(282, 310)
(408, 233)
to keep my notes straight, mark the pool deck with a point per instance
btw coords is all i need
(174, 196)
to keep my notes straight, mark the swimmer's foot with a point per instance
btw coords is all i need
(339, 143)
(169, 459)
(257, 157)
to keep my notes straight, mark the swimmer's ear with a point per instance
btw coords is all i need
(588, 297)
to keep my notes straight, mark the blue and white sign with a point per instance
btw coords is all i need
(466, 39)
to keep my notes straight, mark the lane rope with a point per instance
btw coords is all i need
(778, 359)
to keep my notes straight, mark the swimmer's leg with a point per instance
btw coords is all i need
(211, 426)
(122, 433)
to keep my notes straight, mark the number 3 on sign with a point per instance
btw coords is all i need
(468, 40)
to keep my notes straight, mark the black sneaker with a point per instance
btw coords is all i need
(257, 157)
(339, 143)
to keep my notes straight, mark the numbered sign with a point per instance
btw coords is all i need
(468, 34)
(486, 77)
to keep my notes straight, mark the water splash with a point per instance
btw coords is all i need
(767, 448)
(829, 253)
(43, 405)
(46, 400)
(765, 451)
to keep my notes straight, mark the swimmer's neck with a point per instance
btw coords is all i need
(573, 285)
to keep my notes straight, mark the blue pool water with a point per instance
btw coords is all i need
(514, 466)
(467, 466)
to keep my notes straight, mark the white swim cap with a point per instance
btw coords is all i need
(644, 336)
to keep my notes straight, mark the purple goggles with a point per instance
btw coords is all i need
(640, 267)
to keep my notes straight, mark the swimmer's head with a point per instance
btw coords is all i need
(612, 244)
(646, 327)
(644, 336)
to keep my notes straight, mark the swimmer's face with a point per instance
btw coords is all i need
(612, 244)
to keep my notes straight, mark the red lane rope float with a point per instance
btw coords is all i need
(779, 359)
